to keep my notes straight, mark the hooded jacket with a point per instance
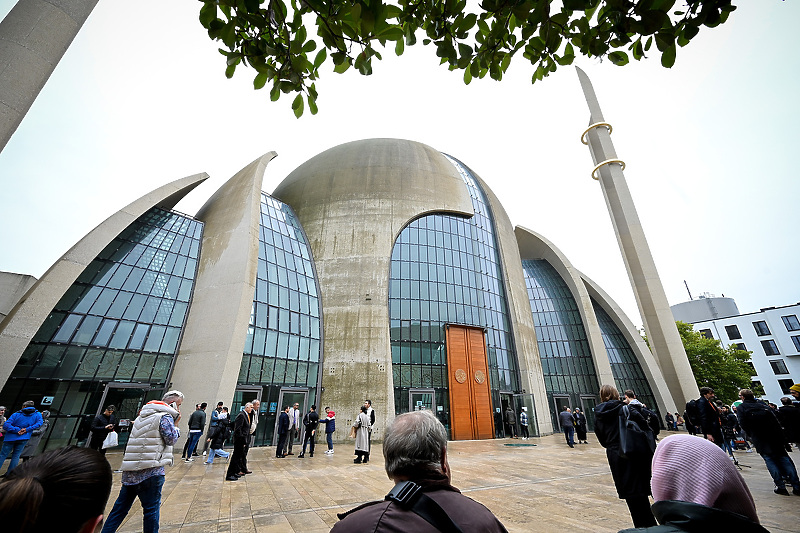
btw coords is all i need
(631, 476)
(28, 418)
(146, 447)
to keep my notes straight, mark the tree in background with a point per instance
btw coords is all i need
(724, 369)
(272, 36)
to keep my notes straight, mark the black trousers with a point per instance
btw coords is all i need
(280, 451)
(236, 465)
(309, 437)
(639, 507)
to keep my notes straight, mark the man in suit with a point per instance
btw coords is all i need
(295, 417)
(710, 423)
(283, 431)
(241, 436)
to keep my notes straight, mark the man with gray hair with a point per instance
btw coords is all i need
(149, 450)
(423, 500)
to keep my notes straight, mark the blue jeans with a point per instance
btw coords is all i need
(569, 432)
(15, 449)
(780, 466)
(726, 447)
(149, 493)
(213, 453)
(329, 437)
(191, 444)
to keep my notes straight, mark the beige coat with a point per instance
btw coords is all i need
(362, 433)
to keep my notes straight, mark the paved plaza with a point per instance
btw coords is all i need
(547, 487)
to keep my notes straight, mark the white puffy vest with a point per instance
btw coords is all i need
(146, 447)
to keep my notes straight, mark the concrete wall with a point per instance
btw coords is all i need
(28, 314)
(353, 201)
(12, 288)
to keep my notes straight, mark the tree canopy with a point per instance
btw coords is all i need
(274, 37)
(724, 369)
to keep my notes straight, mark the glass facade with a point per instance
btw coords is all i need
(446, 269)
(120, 322)
(625, 366)
(567, 362)
(282, 348)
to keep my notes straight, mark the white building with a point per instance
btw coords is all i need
(772, 334)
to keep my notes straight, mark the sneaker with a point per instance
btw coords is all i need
(331, 452)
(205, 453)
(189, 460)
(782, 491)
(749, 450)
(231, 478)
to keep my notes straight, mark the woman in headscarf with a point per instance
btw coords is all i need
(580, 426)
(363, 427)
(697, 488)
(36, 437)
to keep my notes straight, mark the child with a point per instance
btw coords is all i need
(330, 427)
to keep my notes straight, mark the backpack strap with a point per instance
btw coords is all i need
(409, 496)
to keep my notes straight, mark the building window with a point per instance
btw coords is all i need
(785, 384)
(733, 332)
(796, 341)
(740, 346)
(791, 322)
(779, 367)
(753, 371)
(770, 348)
(761, 328)
(706, 333)
(754, 386)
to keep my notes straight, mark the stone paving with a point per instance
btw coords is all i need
(547, 487)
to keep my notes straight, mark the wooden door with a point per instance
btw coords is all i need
(468, 383)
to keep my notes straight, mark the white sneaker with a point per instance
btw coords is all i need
(205, 453)
(189, 460)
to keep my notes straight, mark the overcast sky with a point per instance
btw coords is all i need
(140, 99)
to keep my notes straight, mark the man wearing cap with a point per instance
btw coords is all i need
(794, 390)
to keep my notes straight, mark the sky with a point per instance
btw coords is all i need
(140, 99)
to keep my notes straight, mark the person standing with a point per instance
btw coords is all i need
(523, 423)
(330, 427)
(710, 424)
(18, 429)
(632, 474)
(197, 423)
(294, 428)
(310, 422)
(789, 417)
(36, 437)
(760, 422)
(148, 451)
(212, 426)
(283, 432)
(580, 426)
(511, 423)
(371, 415)
(251, 440)
(567, 426)
(241, 435)
(363, 427)
(102, 425)
(2, 421)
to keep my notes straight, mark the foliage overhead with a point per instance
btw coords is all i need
(274, 37)
(724, 369)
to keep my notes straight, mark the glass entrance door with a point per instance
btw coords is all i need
(420, 399)
(241, 397)
(526, 401)
(560, 402)
(128, 399)
(588, 403)
(290, 396)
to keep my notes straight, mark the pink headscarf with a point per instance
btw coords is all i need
(692, 469)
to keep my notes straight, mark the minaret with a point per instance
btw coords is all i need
(665, 342)
(33, 38)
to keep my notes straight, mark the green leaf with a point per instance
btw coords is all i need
(399, 47)
(322, 55)
(619, 58)
(208, 13)
(310, 46)
(229, 71)
(275, 93)
(312, 104)
(341, 67)
(260, 80)
(467, 76)
(297, 106)
(668, 57)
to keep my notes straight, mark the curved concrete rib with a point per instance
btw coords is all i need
(26, 318)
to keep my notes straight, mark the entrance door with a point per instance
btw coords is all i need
(467, 369)
(506, 401)
(128, 399)
(420, 399)
(241, 397)
(526, 401)
(560, 403)
(290, 396)
(588, 403)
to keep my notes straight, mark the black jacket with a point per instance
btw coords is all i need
(241, 426)
(631, 476)
(219, 434)
(311, 421)
(709, 418)
(283, 423)
(687, 517)
(197, 420)
(789, 417)
(99, 426)
(760, 422)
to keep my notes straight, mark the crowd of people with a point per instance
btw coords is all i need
(75, 483)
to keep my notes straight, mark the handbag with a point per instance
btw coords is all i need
(111, 440)
(633, 440)
(353, 431)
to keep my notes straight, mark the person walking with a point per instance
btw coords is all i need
(567, 422)
(523, 423)
(294, 428)
(197, 423)
(310, 423)
(148, 451)
(212, 426)
(241, 434)
(252, 439)
(283, 432)
(330, 427)
(789, 417)
(759, 421)
(363, 428)
(710, 424)
(36, 437)
(219, 434)
(511, 423)
(580, 425)
(102, 425)
(18, 429)
(632, 474)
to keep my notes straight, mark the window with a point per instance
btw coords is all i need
(770, 348)
(706, 333)
(796, 341)
(761, 328)
(791, 322)
(740, 346)
(753, 371)
(785, 384)
(779, 367)
(733, 332)
(756, 386)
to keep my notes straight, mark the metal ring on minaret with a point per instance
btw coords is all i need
(596, 124)
(606, 162)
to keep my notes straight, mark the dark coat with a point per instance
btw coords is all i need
(283, 423)
(98, 429)
(759, 421)
(681, 517)
(789, 417)
(197, 420)
(709, 418)
(376, 517)
(631, 476)
(219, 434)
(241, 426)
